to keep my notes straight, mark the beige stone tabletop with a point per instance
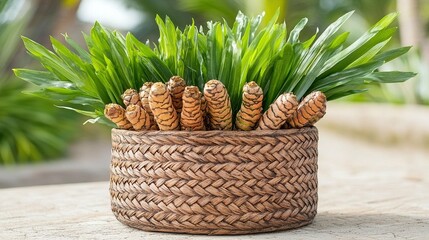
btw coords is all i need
(364, 193)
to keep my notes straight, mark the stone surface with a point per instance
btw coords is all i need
(366, 191)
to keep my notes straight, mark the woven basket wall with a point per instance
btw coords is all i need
(214, 182)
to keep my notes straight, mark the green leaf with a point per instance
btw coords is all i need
(378, 33)
(343, 77)
(85, 113)
(75, 64)
(168, 44)
(390, 77)
(346, 89)
(40, 78)
(368, 55)
(51, 61)
(391, 54)
(154, 68)
(294, 34)
(314, 58)
(82, 53)
(310, 41)
(281, 69)
(339, 40)
(384, 22)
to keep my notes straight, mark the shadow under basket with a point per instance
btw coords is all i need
(214, 182)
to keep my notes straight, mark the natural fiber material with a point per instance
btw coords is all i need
(214, 182)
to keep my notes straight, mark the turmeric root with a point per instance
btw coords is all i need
(251, 107)
(310, 110)
(144, 99)
(191, 116)
(176, 86)
(279, 112)
(116, 114)
(218, 105)
(162, 107)
(138, 117)
(131, 96)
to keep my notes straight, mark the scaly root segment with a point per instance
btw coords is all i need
(218, 105)
(144, 99)
(176, 86)
(311, 109)
(161, 104)
(279, 112)
(131, 96)
(138, 117)
(251, 107)
(116, 114)
(192, 116)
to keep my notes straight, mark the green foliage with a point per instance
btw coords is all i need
(90, 79)
(31, 129)
(245, 52)
(182, 51)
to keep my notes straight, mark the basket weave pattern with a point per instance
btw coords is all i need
(214, 182)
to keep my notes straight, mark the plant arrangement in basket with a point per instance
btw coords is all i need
(219, 77)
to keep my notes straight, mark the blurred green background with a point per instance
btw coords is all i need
(33, 130)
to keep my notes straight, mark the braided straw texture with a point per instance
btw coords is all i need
(214, 182)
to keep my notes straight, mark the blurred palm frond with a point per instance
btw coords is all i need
(31, 129)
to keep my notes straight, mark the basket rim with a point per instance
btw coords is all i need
(223, 133)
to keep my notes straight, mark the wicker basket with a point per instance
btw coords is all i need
(214, 182)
